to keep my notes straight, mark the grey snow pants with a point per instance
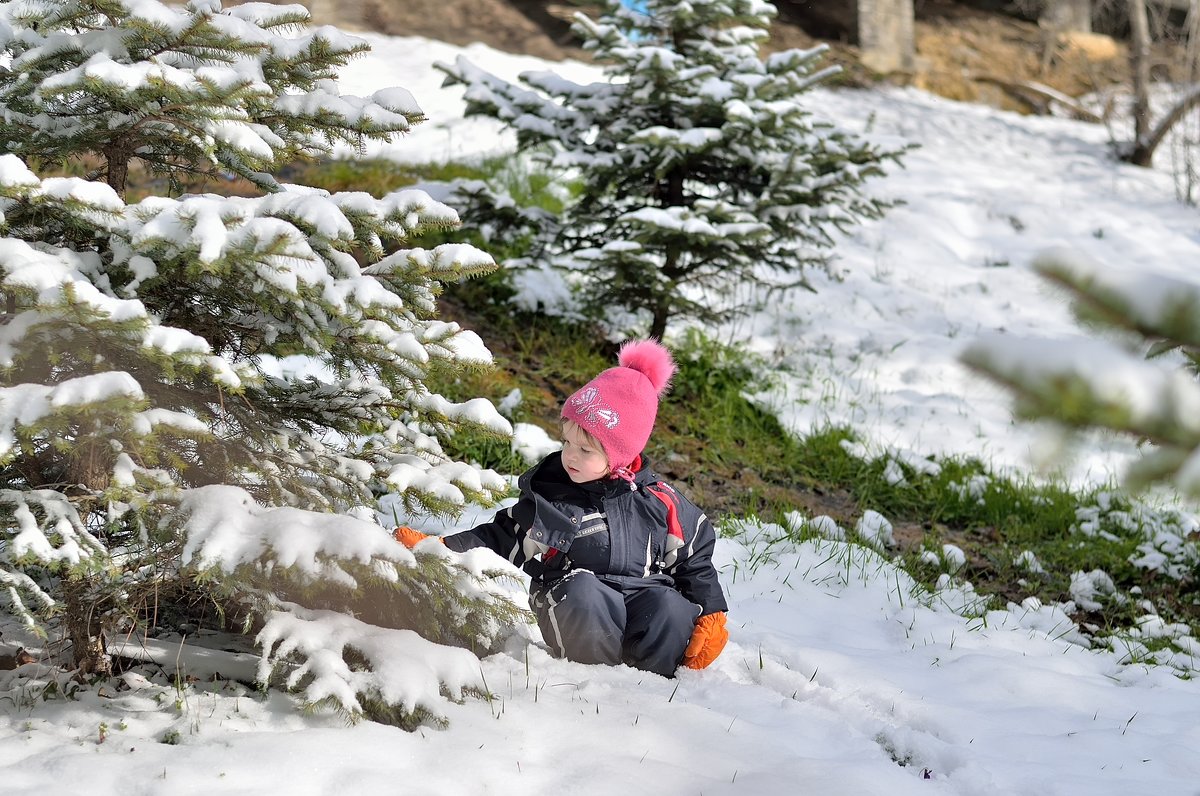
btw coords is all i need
(586, 620)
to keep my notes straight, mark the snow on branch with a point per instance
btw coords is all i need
(490, 95)
(1150, 304)
(57, 281)
(448, 481)
(392, 111)
(41, 526)
(226, 528)
(1091, 383)
(24, 407)
(72, 543)
(1061, 380)
(402, 668)
(357, 655)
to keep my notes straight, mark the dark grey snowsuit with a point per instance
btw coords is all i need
(621, 570)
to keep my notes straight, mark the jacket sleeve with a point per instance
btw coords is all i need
(503, 535)
(694, 573)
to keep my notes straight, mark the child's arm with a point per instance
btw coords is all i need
(694, 573)
(503, 535)
(696, 578)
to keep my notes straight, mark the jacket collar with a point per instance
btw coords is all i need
(549, 479)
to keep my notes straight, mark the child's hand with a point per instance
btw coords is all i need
(408, 537)
(708, 639)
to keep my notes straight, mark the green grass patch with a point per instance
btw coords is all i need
(376, 176)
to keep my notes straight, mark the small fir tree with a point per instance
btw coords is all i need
(1096, 384)
(185, 381)
(696, 168)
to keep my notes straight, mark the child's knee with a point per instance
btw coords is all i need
(581, 618)
(661, 617)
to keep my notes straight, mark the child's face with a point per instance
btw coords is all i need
(582, 458)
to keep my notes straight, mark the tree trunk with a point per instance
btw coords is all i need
(1191, 51)
(658, 324)
(1067, 16)
(1145, 146)
(332, 12)
(885, 35)
(673, 195)
(117, 156)
(89, 471)
(89, 651)
(1139, 62)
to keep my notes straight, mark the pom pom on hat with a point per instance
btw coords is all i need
(649, 358)
(619, 406)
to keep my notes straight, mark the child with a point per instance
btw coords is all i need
(621, 563)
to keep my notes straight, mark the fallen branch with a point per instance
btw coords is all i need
(1030, 91)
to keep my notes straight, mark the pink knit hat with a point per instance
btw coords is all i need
(618, 407)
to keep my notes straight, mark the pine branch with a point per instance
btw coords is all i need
(1155, 307)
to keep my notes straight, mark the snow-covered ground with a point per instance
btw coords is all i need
(837, 680)
(840, 677)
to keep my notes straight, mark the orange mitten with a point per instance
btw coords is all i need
(708, 639)
(408, 537)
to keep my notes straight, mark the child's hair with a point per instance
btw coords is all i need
(588, 437)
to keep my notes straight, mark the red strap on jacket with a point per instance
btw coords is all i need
(667, 495)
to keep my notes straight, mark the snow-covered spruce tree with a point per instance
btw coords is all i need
(698, 169)
(205, 389)
(1093, 383)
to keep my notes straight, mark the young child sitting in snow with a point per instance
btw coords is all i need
(621, 563)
